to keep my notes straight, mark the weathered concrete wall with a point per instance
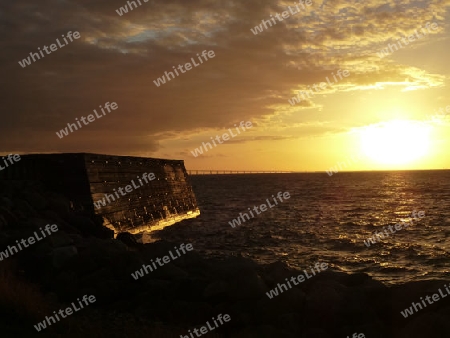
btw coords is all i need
(86, 178)
(162, 201)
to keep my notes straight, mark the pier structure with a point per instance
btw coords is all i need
(233, 172)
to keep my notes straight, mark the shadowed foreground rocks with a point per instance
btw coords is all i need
(83, 258)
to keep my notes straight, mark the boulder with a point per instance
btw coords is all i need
(35, 199)
(7, 202)
(61, 256)
(426, 325)
(277, 272)
(246, 284)
(170, 271)
(128, 239)
(216, 290)
(59, 204)
(9, 216)
(25, 208)
(324, 302)
(291, 301)
(60, 239)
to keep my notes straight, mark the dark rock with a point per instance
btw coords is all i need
(277, 272)
(86, 226)
(128, 239)
(5, 201)
(66, 285)
(265, 331)
(246, 284)
(83, 223)
(187, 312)
(102, 232)
(62, 255)
(59, 204)
(189, 288)
(216, 290)
(426, 325)
(324, 302)
(25, 208)
(291, 322)
(42, 248)
(36, 200)
(8, 216)
(290, 301)
(170, 271)
(317, 333)
(60, 239)
(3, 222)
(355, 279)
(36, 222)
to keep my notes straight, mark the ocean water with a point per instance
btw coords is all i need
(326, 219)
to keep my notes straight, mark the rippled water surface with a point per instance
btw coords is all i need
(327, 219)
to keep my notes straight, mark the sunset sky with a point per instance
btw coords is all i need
(384, 112)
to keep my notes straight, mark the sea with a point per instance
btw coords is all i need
(326, 219)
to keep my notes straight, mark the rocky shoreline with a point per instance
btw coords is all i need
(82, 258)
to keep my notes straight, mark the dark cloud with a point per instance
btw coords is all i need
(118, 57)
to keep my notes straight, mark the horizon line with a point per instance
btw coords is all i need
(243, 172)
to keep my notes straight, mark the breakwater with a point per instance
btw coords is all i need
(85, 178)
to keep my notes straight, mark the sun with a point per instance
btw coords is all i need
(396, 142)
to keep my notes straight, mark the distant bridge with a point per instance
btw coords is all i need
(233, 172)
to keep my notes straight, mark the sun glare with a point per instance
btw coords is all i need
(396, 142)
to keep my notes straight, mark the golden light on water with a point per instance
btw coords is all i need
(396, 142)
